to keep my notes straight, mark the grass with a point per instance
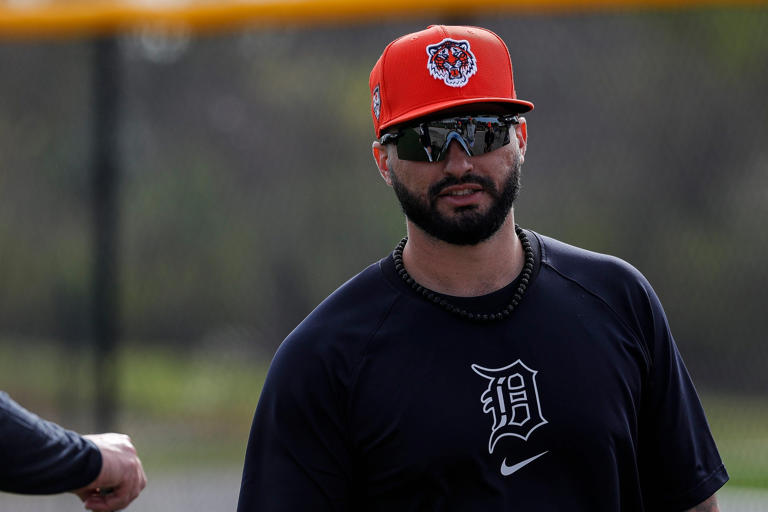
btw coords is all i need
(740, 427)
(186, 408)
(182, 408)
(190, 408)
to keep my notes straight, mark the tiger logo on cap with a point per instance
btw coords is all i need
(452, 62)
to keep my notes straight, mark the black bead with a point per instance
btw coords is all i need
(524, 280)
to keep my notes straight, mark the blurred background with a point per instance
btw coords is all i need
(174, 201)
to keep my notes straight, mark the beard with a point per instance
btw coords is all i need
(467, 226)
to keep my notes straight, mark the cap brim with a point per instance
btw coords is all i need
(486, 105)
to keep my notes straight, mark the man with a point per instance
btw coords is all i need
(40, 457)
(480, 366)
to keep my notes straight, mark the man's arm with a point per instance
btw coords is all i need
(40, 457)
(707, 506)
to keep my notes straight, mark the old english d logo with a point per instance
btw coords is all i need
(512, 399)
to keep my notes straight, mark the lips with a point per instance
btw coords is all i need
(461, 196)
(462, 190)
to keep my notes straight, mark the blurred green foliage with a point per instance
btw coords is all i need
(740, 426)
(182, 408)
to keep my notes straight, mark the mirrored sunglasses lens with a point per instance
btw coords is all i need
(491, 136)
(414, 146)
(429, 142)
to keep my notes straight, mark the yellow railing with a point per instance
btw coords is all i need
(40, 18)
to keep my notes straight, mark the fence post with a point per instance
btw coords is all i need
(105, 90)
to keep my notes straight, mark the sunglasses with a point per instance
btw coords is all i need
(428, 141)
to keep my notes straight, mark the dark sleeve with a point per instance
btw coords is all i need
(297, 456)
(40, 457)
(680, 464)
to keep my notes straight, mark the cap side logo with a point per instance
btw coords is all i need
(451, 61)
(376, 102)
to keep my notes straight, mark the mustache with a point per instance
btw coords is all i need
(449, 181)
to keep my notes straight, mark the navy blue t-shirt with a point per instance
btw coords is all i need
(40, 457)
(380, 400)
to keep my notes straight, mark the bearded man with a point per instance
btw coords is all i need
(480, 366)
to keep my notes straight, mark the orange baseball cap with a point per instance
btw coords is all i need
(439, 68)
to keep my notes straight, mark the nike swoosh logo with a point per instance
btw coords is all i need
(508, 470)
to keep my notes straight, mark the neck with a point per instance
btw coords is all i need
(464, 271)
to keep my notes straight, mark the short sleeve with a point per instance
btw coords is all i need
(298, 456)
(680, 464)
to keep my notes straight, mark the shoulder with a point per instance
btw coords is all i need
(616, 283)
(340, 326)
(318, 361)
(359, 304)
(591, 269)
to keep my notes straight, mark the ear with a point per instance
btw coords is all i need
(521, 131)
(381, 157)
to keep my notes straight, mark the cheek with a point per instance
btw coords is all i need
(498, 163)
(416, 177)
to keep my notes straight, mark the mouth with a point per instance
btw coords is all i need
(460, 196)
(463, 190)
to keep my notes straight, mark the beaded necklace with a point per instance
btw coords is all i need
(440, 300)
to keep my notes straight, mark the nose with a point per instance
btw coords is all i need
(457, 161)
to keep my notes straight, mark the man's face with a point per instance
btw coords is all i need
(464, 199)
